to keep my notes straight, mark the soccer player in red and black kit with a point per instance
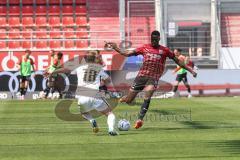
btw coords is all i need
(154, 58)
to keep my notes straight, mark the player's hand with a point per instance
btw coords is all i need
(110, 45)
(33, 75)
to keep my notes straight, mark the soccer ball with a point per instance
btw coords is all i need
(123, 125)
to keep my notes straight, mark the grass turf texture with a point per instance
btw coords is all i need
(199, 128)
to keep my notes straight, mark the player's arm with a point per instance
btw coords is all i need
(125, 53)
(104, 81)
(182, 65)
(33, 68)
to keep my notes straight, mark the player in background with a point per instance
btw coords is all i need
(51, 82)
(92, 80)
(154, 58)
(26, 67)
(181, 72)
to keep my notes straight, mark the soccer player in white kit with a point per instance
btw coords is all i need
(92, 80)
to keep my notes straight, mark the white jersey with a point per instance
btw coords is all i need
(89, 78)
(90, 75)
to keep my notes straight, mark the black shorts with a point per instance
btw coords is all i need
(25, 78)
(142, 81)
(182, 77)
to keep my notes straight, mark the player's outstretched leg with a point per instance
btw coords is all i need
(110, 121)
(185, 81)
(175, 86)
(142, 113)
(144, 108)
(93, 122)
(129, 97)
(94, 126)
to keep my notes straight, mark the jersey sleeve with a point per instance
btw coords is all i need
(140, 50)
(169, 53)
(103, 75)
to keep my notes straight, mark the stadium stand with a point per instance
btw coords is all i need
(100, 13)
(230, 30)
(43, 22)
(139, 24)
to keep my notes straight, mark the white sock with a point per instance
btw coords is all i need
(88, 117)
(111, 122)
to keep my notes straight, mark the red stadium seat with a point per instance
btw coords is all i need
(14, 10)
(42, 33)
(69, 33)
(67, 21)
(81, 44)
(41, 10)
(41, 44)
(41, 21)
(82, 33)
(54, 21)
(55, 33)
(81, 21)
(69, 44)
(55, 44)
(28, 33)
(40, 2)
(64, 2)
(29, 2)
(53, 2)
(54, 10)
(11, 2)
(3, 2)
(2, 45)
(27, 44)
(80, 1)
(3, 22)
(3, 10)
(67, 10)
(14, 33)
(80, 9)
(27, 21)
(14, 44)
(14, 21)
(3, 34)
(27, 10)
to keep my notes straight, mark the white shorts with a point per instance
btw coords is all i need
(89, 103)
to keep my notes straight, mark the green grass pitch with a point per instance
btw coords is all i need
(197, 128)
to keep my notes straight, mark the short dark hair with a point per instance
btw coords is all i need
(156, 33)
(60, 54)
